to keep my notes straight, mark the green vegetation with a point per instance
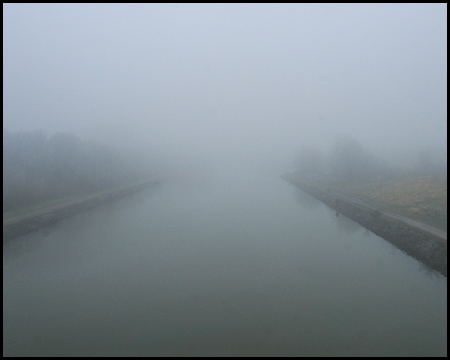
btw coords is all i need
(44, 171)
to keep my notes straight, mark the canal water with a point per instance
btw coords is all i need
(224, 264)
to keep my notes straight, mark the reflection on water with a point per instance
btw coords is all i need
(306, 200)
(241, 267)
(346, 224)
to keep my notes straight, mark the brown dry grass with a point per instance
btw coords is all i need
(421, 198)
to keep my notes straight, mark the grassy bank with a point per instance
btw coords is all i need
(24, 212)
(428, 246)
(421, 198)
(26, 220)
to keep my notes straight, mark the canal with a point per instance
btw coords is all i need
(224, 264)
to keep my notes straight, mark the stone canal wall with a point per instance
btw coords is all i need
(33, 223)
(418, 244)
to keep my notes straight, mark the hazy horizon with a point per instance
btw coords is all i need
(229, 82)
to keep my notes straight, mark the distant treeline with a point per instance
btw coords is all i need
(349, 161)
(39, 168)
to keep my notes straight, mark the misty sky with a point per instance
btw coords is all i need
(228, 79)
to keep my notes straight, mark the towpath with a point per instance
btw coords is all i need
(438, 233)
(442, 235)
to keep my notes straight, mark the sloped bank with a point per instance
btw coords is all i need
(46, 218)
(418, 244)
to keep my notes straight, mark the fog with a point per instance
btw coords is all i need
(221, 84)
(206, 106)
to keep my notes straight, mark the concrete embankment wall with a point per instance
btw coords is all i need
(34, 223)
(422, 246)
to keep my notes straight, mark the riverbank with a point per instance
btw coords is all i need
(25, 222)
(422, 198)
(420, 242)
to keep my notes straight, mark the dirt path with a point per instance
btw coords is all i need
(35, 219)
(418, 240)
(8, 220)
(416, 224)
(44, 210)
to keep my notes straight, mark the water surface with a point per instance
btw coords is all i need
(231, 264)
